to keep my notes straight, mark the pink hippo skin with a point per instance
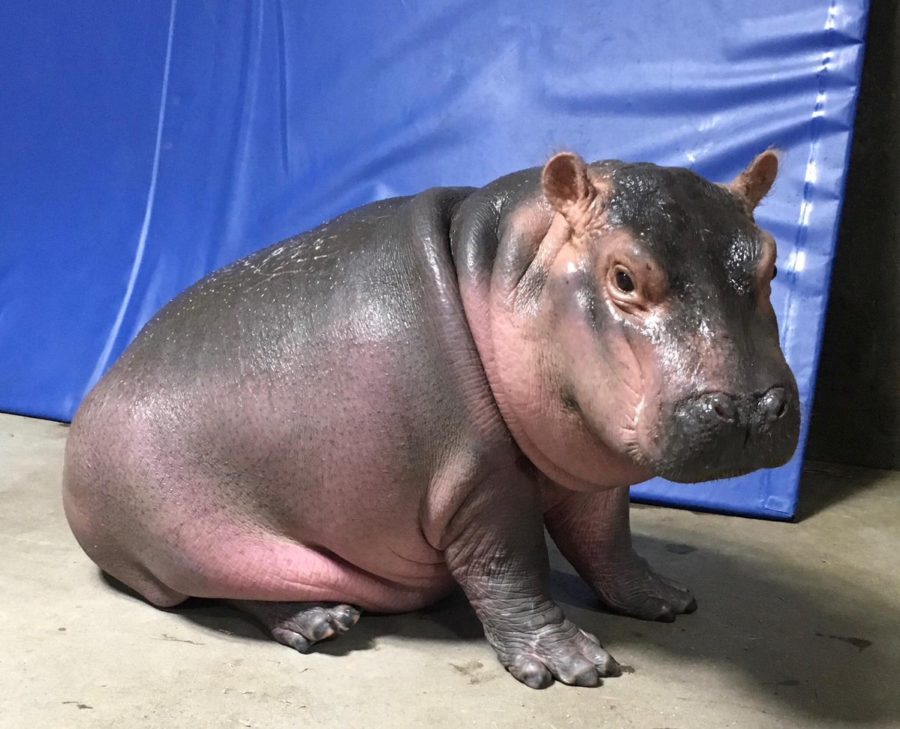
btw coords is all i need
(368, 414)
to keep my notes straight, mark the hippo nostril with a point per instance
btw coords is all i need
(773, 404)
(722, 406)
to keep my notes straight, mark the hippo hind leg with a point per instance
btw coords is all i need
(300, 625)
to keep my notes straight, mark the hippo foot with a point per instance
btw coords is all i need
(560, 651)
(300, 625)
(634, 589)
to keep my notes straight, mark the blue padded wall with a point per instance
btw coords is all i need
(142, 145)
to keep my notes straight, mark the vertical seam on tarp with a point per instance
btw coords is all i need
(810, 180)
(233, 200)
(811, 173)
(103, 361)
(283, 89)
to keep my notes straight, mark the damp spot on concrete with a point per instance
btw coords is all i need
(467, 669)
(472, 671)
(860, 643)
(79, 704)
(680, 548)
(172, 638)
(789, 682)
(61, 630)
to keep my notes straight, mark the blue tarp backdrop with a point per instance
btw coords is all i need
(144, 144)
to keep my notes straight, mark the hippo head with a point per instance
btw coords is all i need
(660, 342)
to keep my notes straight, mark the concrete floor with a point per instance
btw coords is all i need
(799, 626)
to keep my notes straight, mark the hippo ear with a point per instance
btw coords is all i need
(754, 183)
(568, 188)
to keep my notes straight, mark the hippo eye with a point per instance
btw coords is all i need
(623, 281)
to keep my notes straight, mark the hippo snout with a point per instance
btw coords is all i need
(720, 434)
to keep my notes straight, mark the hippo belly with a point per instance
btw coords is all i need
(274, 433)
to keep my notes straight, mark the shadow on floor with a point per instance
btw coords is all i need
(823, 485)
(805, 638)
(450, 619)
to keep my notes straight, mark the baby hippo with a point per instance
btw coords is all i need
(366, 415)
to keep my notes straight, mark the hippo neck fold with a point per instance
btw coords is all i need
(495, 236)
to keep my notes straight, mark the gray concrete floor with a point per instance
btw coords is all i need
(799, 626)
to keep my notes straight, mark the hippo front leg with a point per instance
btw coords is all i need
(498, 555)
(593, 532)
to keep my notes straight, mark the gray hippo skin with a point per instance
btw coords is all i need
(366, 415)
